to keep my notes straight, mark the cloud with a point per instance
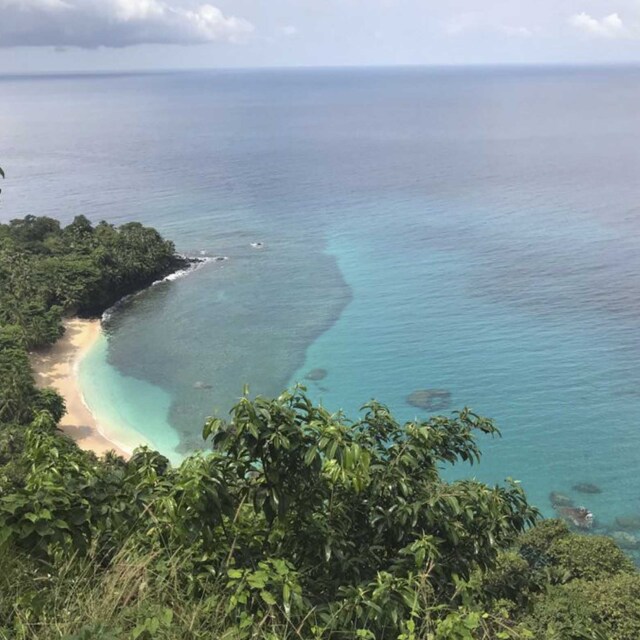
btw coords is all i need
(610, 26)
(115, 23)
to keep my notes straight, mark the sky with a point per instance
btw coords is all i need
(95, 35)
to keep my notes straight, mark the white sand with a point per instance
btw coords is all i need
(57, 367)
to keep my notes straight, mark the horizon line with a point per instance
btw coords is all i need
(311, 67)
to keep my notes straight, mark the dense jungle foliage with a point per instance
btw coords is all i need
(48, 272)
(295, 523)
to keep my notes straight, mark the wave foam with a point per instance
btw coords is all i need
(194, 265)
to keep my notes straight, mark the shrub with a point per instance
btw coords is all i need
(539, 539)
(510, 579)
(562, 614)
(613, 604)
(588, 557)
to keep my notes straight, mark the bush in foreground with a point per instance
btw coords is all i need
(298, 524)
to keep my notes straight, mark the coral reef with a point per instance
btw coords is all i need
(430, 399)
(558, 499)
(316, 374)
(586, 487)
(631, 522)
(625, 540)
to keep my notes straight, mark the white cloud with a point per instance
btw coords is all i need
(115, 23)
(610, 26)
(289, 30)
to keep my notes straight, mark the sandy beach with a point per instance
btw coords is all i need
(57, 367)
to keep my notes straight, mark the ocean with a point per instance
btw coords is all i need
(473, 231)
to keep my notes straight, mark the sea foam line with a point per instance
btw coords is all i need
(194, 265)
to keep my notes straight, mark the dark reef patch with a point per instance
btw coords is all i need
(630, 522)
(586, 487)
(430, 399)
(316, 374)
(558, 499)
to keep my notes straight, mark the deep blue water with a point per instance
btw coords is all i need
(469, 230)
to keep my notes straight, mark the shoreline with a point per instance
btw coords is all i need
(57, 367)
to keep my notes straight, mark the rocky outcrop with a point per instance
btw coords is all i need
(430, 399)
(586, 487)
(558, 499)
(625, 540)
(579, 517)
(630, 522)
(316, 374)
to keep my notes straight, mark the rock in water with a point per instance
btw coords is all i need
(579, 517)
(631, 522)
(316, 374)
(586, 487)
(558, 499)
(430, 399)
(625, 540)
(202, 385)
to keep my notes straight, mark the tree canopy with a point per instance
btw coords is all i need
(48, 272)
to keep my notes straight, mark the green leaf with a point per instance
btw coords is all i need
(257, 580)
(268, 598)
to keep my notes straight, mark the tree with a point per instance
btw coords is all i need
(294, 508)
(367, 495)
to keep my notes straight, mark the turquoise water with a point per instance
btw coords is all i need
(469, 230)
(108, 393)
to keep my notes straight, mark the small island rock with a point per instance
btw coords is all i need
(316, 374)
(430, 399)
(631, 522)
(579, 517)
(625, 540)
(558, 499)
(586, 487)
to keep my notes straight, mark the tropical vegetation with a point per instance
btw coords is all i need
(293, 522)
(48, 272)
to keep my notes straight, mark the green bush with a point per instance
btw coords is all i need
(538, 539)
(562, 614)
(510, 579)
(588, 557)
(551, 547)
(607, 608)
(613, 604)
